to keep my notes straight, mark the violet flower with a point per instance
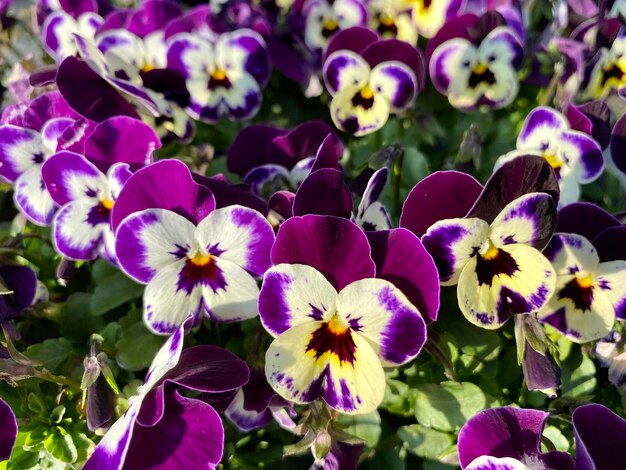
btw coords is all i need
(8, 424)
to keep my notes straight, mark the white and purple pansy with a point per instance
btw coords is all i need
(60, 28)
(321, 19)
(224, 77)
(478, 74)
(508, 438)
(370, 79)
(588, 293)
(430, 15)
(189, 269)
(392, 20)
(371, 213)
(23, 152)
(575, 157)
(181, 432)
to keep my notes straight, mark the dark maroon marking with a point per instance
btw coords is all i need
(99, 215)
(488, 268)
(581, 296)
(427, 4)
(219, 83)
(387, 28)
(613, 72)
(477, 78)
(359, 100)
(328, 32)
(38, 158)
(193, 275)
(340, 344)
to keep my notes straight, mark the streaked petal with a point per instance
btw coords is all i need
(446, 67)
(58, 35)
(117, 176)
(583, 155)
(380, 312)
(301, 373)
(168, 302)
(452, 243)
(396, 82)
(78, 229)
(165, 360)
(149, 240)
(70, 176)
(20, 150)
(529, 219)
(32, 197)
(541, 126)
(570, 253)
(344, 69)
(293, 294)
(519, 279)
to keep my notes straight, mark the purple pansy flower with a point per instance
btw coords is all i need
(22, 286)
(182, 432)
(193, 257)
(335, 324)
(224, 77)
(599, 433)
(588, 293)
(370, 79)
(59, 29)
(476, 71)
(575, 156)
(490, 250)
(8, 424)
(507, 438)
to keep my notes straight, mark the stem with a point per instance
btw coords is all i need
(397, 178)
(58, 379)
(545, 96)
(437, 353)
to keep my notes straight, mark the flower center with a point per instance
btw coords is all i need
(201, 260)
(552, 159)
(580, 291)
(364, 98)
(335, 338)
(492, 262)
(481, 74)
(107, 203)
(329, 27)
(219, 79)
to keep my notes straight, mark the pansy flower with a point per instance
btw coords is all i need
(321, 19)
(588, 293)
(23, 152)
(8, 424)
(371, 213)
(575, 157)
(335, 325)
(193, 265)
(491, 250)
(507, 438)
(430, 15)
(476, 71)
(86, 186)
(370, 79)
(224, 77)
(181, 432)
(608, 69)
(610, 352)
(59, 29)
(600, 434)
(392, 20)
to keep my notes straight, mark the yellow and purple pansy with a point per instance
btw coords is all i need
(392, 20)
(369, 79)
(430, 15)
(608, 69)
(322, 19)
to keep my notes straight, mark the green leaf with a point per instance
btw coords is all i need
(424, 442)
(51, 353)
(137, 347)
(61, 445)
(366, 426)
(578, 375)
(449, 405)
(112, 291)
(76, 320)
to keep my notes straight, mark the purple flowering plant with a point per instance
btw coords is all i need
(312, 234)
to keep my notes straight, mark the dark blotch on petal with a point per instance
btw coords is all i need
(333, 339)
(492, 265)
(580, 293)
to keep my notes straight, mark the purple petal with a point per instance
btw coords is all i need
(152, 16)
(592, 118)
(586, 219)
(78, 7)
(341, 251)
(69, 176)
(20, 150)
(397, 51)
(189, 435)
(249, 149)
(281, 202)
(8, 424)
(600, 434)
(166, 184)
(611, 244)
(23, 282)
(618, 143)
(89, 94)
(402, 260)
(121, 139)
(100, 408)
(227, 194)
(541, 119)
(591, 161)
(526, 174)
(48, 106)
(323, 192)
(442, 195)
(79, 228)
(252, 46)
(355, 39)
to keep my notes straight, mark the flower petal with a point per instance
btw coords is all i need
(396, 82)
(519, 279)
(452, 243)
(485, 462)
(584, 155)
(149, 240)
(541, 125)
(612, 281)
(244, 49)
(323, 192)
(79, 229)
(9, 430)
(599, 436)
(20, 150)
(359, 117)
(344, 69)
(570, 253)
(32, 197)
(293, 294)
(70, 177)
(380, 312)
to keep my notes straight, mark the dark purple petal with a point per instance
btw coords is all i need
(600, 435)
(323, 192)
(526, 174)
(189, 435)
(328, 154)
(194, 19)
(281, 202)
(541, 372)
(121, 139)
(592, 118)
(402, 260)
(355, 39)
(166, 184)
(458, 27)
(8, 424)
(302, 142)
(501, 432)
(23, 282)
(342, 456)
(45, 107)
(152, 16)
(334, 246)
(249, 149)
(227, 194)
(100, 408)
(43, 76)
(442, 195)
(618, 144)
(611, 244)
(586, 219)
(89, 94)
(400, 51)
(78, 7)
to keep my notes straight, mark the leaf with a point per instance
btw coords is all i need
(51, 353)
(366, 426)
(449, 405)
(137, 347)
(61, 445)
(424, 442)
(578, 375)
(112, 291)
(77, 322)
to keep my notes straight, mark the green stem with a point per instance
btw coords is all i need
(58, 379)
(437, 353)
(397, 179)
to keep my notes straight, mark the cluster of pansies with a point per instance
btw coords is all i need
(313, 234)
